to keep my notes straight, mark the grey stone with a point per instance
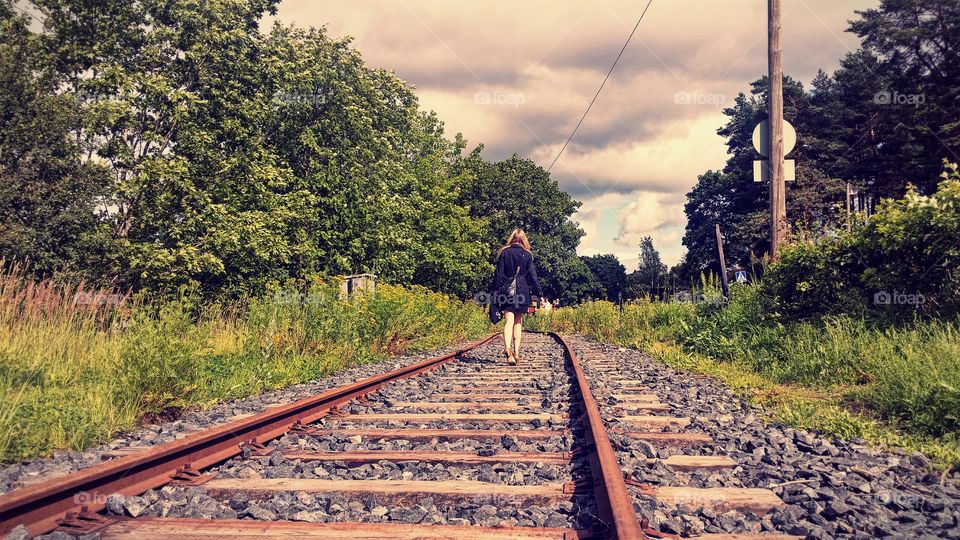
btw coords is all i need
(135, 505)
(836, 509)
(18, 533)
(308, 516)
(114, 503)
(263, 514)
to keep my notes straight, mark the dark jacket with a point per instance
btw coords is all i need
(511, 260)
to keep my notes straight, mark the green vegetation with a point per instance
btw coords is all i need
(814, 340)
(894, 385)
(158, 145)
(905, 257)
(78, 366)
(884, 119)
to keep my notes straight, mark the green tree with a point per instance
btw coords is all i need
(610, 273)
(651, 273)
(50, 200)
(516, 192)
(917, 46)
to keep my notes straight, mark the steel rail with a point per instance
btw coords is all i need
(40, 507)
(614, 503)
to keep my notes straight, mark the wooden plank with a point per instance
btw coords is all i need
(495, 376)
(484, 382)
(446, 434)
(516, 374)
(521, 369)
(427, 456)
(654, 421)
(123, 452)
(749, 537)
(453, 405)
(637, 397)
(467, 417)
(689, 463)
(202, 529)
(479, 398)
(394, 491)
(493, 389)
(722, 499)
(648, 406)
(506, 372)
(679, 439)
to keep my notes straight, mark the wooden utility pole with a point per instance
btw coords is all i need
(723, 265)
(778, 198)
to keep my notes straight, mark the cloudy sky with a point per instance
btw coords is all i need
(517, 76)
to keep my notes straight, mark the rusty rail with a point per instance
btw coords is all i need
(614, 504)
(40, 507)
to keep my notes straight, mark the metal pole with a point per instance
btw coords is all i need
(849, 226)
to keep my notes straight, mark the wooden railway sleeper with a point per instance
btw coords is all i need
(578, 486)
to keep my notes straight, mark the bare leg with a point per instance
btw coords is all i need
(508, 330)
(517, 332)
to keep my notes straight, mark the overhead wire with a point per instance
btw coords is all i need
(595, 96)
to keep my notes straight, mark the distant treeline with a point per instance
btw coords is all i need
(172, 145)
(886, 119)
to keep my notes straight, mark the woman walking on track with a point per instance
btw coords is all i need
(511, 289)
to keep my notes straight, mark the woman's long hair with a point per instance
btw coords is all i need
(516, 238)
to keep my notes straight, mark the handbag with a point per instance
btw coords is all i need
(495, 313)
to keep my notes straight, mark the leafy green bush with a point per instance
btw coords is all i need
(912, 246)
(812, 278)
(909, 247)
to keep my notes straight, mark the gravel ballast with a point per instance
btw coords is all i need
(830, 488)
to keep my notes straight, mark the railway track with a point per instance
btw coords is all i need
(457, 446)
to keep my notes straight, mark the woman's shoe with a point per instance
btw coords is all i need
(511, 358)
(519, 358)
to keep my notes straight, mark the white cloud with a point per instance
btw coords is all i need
(657, 216)
(639, 151)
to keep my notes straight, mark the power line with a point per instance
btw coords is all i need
(595, 96)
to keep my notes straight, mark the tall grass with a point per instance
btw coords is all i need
(905, 375)
(77, 366)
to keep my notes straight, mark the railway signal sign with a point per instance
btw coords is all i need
(761, 142)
